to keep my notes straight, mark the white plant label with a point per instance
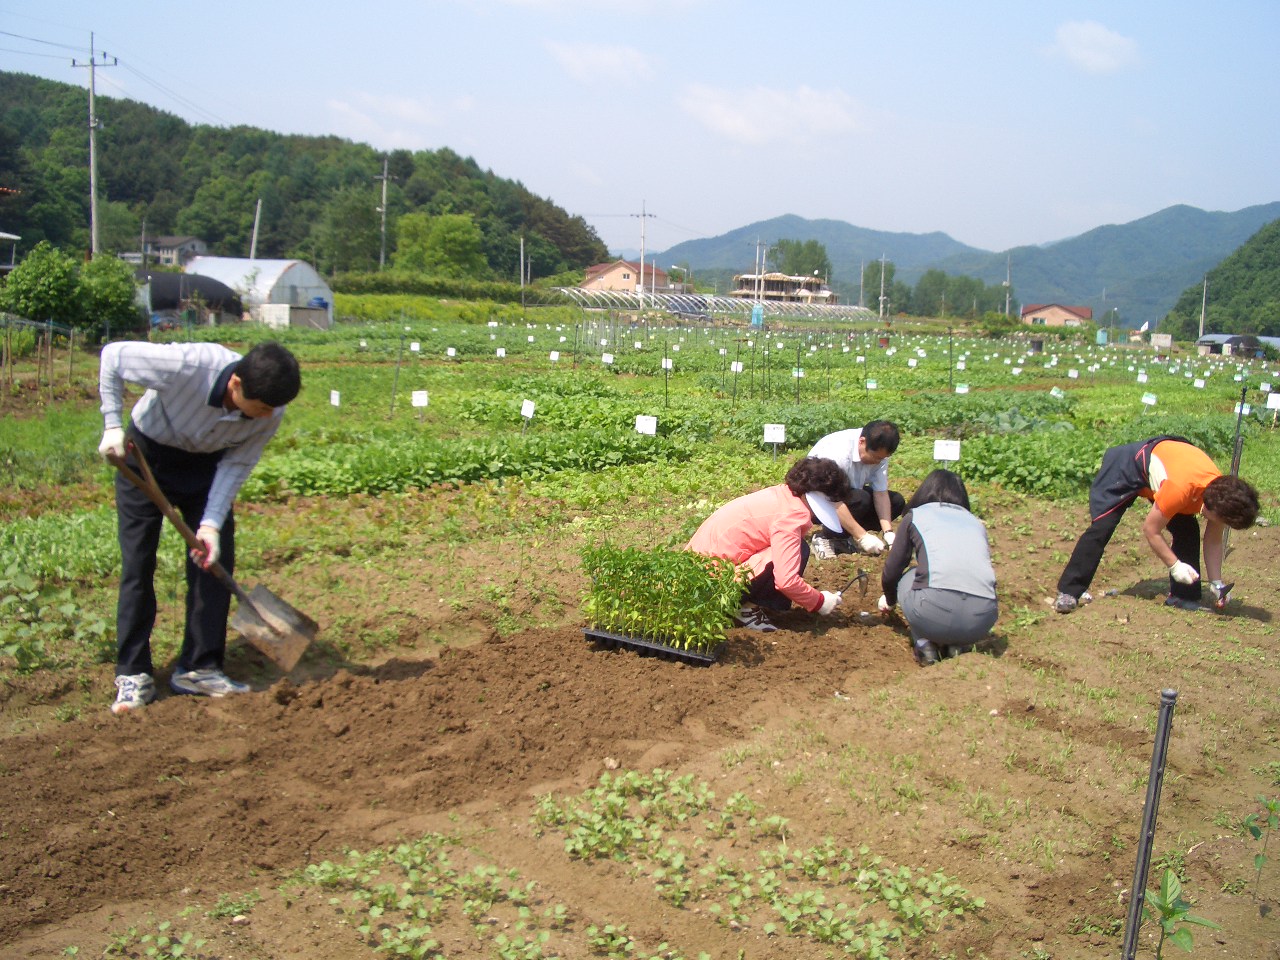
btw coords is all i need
(502, 351)
(666, 363)
(420, 398)
(526, 409)
(1149, 399)
(555, 355)
(450, 352)
(1198, 383)
(647, 425)
(962, 388)
(735, 366)
(946, 450)
(1057, 393)
(871, 384)
(775, 433)
(335, 398)
(639, 345)
(1073, 374)
(1142, 378)
(606, 358)
(1243, 409)
(1273, 401)
(415, 347)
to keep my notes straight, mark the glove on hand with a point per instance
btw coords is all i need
(883, 604)
(211, 538)
(112, 442)
(889, 537)
(1184, 573)
(829, 603)
(871, 544)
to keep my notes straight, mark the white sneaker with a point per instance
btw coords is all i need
(133, 693)
(206, 683)
(753, 618)
(823, 548)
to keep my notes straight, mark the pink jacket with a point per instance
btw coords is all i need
(761, 528)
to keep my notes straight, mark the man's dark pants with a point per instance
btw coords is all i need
(1080, 569)
(185, 479)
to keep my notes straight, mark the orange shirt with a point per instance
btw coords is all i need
(760, 528)
(1178, 474)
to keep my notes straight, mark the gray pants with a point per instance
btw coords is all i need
(948, 618)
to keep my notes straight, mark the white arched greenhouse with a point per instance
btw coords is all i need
(278, 293)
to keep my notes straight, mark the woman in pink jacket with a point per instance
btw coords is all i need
(764, 531)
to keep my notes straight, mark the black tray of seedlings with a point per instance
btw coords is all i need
(652, 648)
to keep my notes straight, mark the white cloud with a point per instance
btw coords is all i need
(760, 115)
(600, 63)
(1092, 47)
(389, 121)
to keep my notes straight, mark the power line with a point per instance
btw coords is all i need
(48, 43)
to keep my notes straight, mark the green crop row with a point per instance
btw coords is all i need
(381, 465)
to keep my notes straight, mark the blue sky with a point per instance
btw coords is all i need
(998, 123)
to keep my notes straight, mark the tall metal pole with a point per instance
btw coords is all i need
(382, 209)
(1204, 302)
(253, 242)
(93, 140)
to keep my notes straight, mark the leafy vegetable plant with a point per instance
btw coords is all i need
(674, 597)
(1172, 913)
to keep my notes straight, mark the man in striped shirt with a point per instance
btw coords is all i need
(202, 424)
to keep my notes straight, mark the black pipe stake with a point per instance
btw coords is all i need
(1155, 780)
(396, 380)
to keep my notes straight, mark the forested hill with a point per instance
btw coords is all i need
(319, 194)
(1242, 293)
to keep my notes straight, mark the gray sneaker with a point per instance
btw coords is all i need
(1065, 603)
(753, 618)
(206, 683)
(133, 693)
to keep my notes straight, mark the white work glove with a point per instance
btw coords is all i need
(889, 537)
(830, 601)
(1183, 573)
(112, 442)
(211, 538)
(883, 604)
(871, 544)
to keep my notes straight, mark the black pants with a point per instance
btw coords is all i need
(185, 479)
(764, 592)
(863, 508)
(1184, 528)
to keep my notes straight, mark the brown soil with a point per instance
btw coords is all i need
(1019, 770)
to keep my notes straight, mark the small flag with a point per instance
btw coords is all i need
(1145, 325)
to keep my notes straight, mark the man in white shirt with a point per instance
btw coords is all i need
(863, 454)
(202, 424)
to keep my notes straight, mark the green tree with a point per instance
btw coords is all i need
(448, 245)
(801, 258)
(43, 287)
(107, 294)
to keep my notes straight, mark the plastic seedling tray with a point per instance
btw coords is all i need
(652, 648)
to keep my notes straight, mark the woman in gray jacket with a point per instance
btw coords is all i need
(949, 597)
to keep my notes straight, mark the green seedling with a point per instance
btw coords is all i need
(1173, 914)
(1260, 826)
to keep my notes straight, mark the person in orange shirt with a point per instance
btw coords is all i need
(1181, 481)
(764, 531)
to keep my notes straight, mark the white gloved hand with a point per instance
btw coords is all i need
(112, 442)
(830, 601)
(1183, 573)
(211, 538)
(871, 544)
(889, 537)
(883, 604)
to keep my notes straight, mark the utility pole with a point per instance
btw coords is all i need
(253, 242)
(862, 270)
(1008, 281)
(382, 209)
(643, 216)
(882, 262)
(93, 64)
(1204, 302)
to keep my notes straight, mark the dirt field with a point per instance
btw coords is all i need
(1019, 771)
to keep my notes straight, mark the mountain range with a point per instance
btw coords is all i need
(1139, 269)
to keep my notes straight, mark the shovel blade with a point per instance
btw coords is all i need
(275, 628)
